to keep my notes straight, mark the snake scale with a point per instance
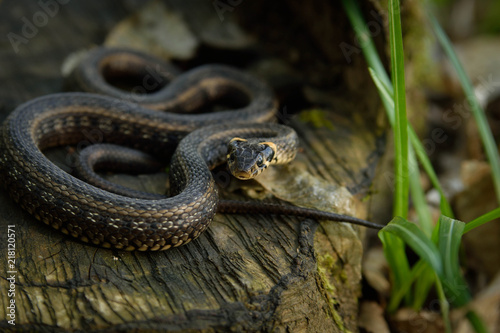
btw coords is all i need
(115, 220)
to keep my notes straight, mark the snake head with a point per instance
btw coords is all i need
(247, 159)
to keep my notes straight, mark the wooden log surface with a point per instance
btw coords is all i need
(246, 273)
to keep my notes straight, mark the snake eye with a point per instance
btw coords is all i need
(260, 160)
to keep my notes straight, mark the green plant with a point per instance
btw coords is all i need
(437, 246)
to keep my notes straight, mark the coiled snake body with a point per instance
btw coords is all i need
(113, 220)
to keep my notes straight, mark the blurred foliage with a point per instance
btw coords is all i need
(490, 20)
(480, 16)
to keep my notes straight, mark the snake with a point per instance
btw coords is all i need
(194, 143)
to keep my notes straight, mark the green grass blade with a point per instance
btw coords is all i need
(418, 195)
(385, 94)
(423, 246)
(412, 235)
(476, 322)
(490, 147)
(427, 166)
(450, 236)
(421, 271)
(454, 285)
(367, 46)
(494, 214)
(445, 305)
(423, 283)
(401, 123)
(403, 275)
(387, 98)
(384, 85)
(394, 252)
(394, 248)
(415, 186)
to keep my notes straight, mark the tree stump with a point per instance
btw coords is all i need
(246, 273)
